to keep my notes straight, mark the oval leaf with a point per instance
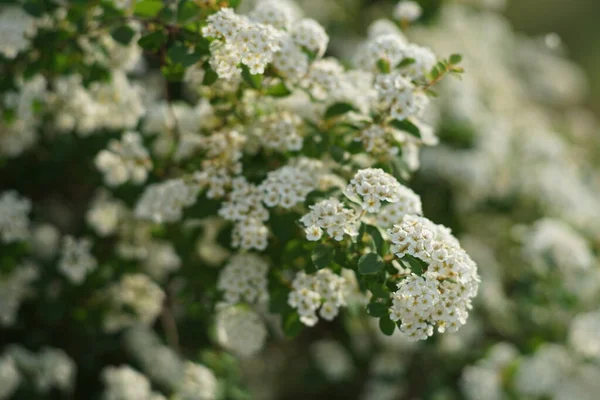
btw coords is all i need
(370, 263)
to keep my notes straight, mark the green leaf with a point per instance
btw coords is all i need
(337, 153)
(186, 11)
(378, 290)
(406, 62)
(377, 310)
(33, 8)
(153, 41)
(210, 75)
(455, 59)
(292, 325)
(279, 90)
(255, 81)
(337, 109)
(234, 3)
(406, 126)
(416, 266)
(370, 263)
(375, 234)
(387, 326)
(123, 34)
(180, 54)
(148, 8)
(322, 256)
(383, 66)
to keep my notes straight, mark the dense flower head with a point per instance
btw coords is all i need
(278, 14)
(240, 330)
(14, 288)
(198, 383)
(323, 291)
(241, 40)
(409, 203)
(330, 217)
(372, 186)
(124, 160)
(286, 187)
(398, 94)
(76, 259)
(16, 28)
(441, 297)
(164, 202)
(244, 278)
(584, 334)
(9, 377)
(135, 299)
(279, 131)
(14, 220)
(125, 383)
(310, 35)
(408, 11)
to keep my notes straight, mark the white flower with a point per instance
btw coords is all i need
(9, 377)
(331, 217)
(198, 383)
(240, 330)
(125, 160)
(14, 288)
(125, 383)
(244, 278)
(323, 289)
(273, 12)
(310, 35)
(134, 300)
(55, 369)
(14, 222)
(408, 11)
(441, 297)
(16, 27)
(105, 214)
(286, 187)
(371, 186)
(584, 334)
(164, 202)
(76, 260)
(332, 358)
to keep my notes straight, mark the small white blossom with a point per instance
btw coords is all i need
(198, 383)
(240, 330)
(126, 160)
(408, 11)
(76, 260)
(9, 377)
(330, 216)
(286, 187)
(164, 202)
(244, 278)
(14, 288)
(14, 222)
(125, 383)
(324, 290)
(310, 35)
(371, 186)
(134, 300)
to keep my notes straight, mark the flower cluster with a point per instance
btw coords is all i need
(409, 203)
(49, 370)
(125, 383)
(244, 206)
(164, 202)
(14, 220)
(286, 187)
(14, 288)
(372, 186)
(244, 278)
(332, 217)
(17, 28)
(135, 299)
(76, 259)
(441, 296)
(279, 131)
(125, 160)
(323, 289)
(240, 330)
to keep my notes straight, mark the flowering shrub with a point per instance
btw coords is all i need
(190, 187)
